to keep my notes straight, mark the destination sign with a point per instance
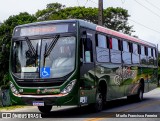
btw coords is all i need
(44, 29)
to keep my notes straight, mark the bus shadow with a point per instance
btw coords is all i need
(87, 112)
(122, 102)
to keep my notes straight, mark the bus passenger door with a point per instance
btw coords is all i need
(87, 73)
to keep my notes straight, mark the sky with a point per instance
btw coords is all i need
(145, 16)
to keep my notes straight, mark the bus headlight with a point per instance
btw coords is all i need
(69, 87)
(13, 89)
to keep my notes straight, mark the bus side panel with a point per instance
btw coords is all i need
(110, 73)
(143, 74)
(115, 86)
(138, 73)
(152, 78)
(130, 79)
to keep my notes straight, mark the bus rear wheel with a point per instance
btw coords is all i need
(45, 109)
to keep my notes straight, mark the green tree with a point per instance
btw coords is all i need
(114, 18)
(51, 8)
(6, 30)
(117, 19)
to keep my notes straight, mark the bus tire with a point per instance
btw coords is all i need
(45, 109)
(98, 105)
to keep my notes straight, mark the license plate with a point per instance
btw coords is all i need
(38, 103)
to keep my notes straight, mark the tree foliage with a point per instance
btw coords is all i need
(117, 19)
(6, 30)
(51, 8)
(114, 18)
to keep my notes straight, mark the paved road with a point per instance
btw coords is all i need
(120, 107)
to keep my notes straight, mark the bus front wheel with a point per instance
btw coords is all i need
(45, 109)
(98, 105)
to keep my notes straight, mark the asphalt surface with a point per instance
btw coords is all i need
(116, 110)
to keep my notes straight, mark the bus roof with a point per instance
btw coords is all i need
(48, 22)
(123, 36)
(114, 33)
(93, 26)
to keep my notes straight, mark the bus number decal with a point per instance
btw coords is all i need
(83, 100)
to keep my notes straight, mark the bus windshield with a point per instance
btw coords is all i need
(57, 54)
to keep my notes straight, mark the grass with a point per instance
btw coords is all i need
(7, 108)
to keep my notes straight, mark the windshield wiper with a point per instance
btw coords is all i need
(50, 47)
(31, 48)
(34, 53)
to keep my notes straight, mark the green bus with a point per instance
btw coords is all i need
(74, 62)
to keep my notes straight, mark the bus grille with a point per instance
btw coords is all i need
(39, 84)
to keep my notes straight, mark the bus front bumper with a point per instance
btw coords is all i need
(58, 100)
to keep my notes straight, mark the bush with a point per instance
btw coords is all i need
(3, 87)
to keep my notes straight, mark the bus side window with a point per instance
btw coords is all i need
(102, 41)
(120, 46)
(150, 56)
(126, 53)
(139, 49)
(142, 50)
(135, 53)
(155, 56)
(149, 52)
(125, 46)
(152, 52)
(102, 48)
(146, 51)
(87, 50)
(115, 52)
(155, 53)
(135, 48)
(110, 42)
(115, 44)
(131, 47)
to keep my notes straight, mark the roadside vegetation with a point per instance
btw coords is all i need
(7, 108)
